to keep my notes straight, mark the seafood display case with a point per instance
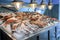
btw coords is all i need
(23, 25)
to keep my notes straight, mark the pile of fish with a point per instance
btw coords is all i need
(22, 24)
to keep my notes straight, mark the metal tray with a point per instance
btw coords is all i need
(40, 30)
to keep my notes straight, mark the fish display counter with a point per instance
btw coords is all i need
(23, 25)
